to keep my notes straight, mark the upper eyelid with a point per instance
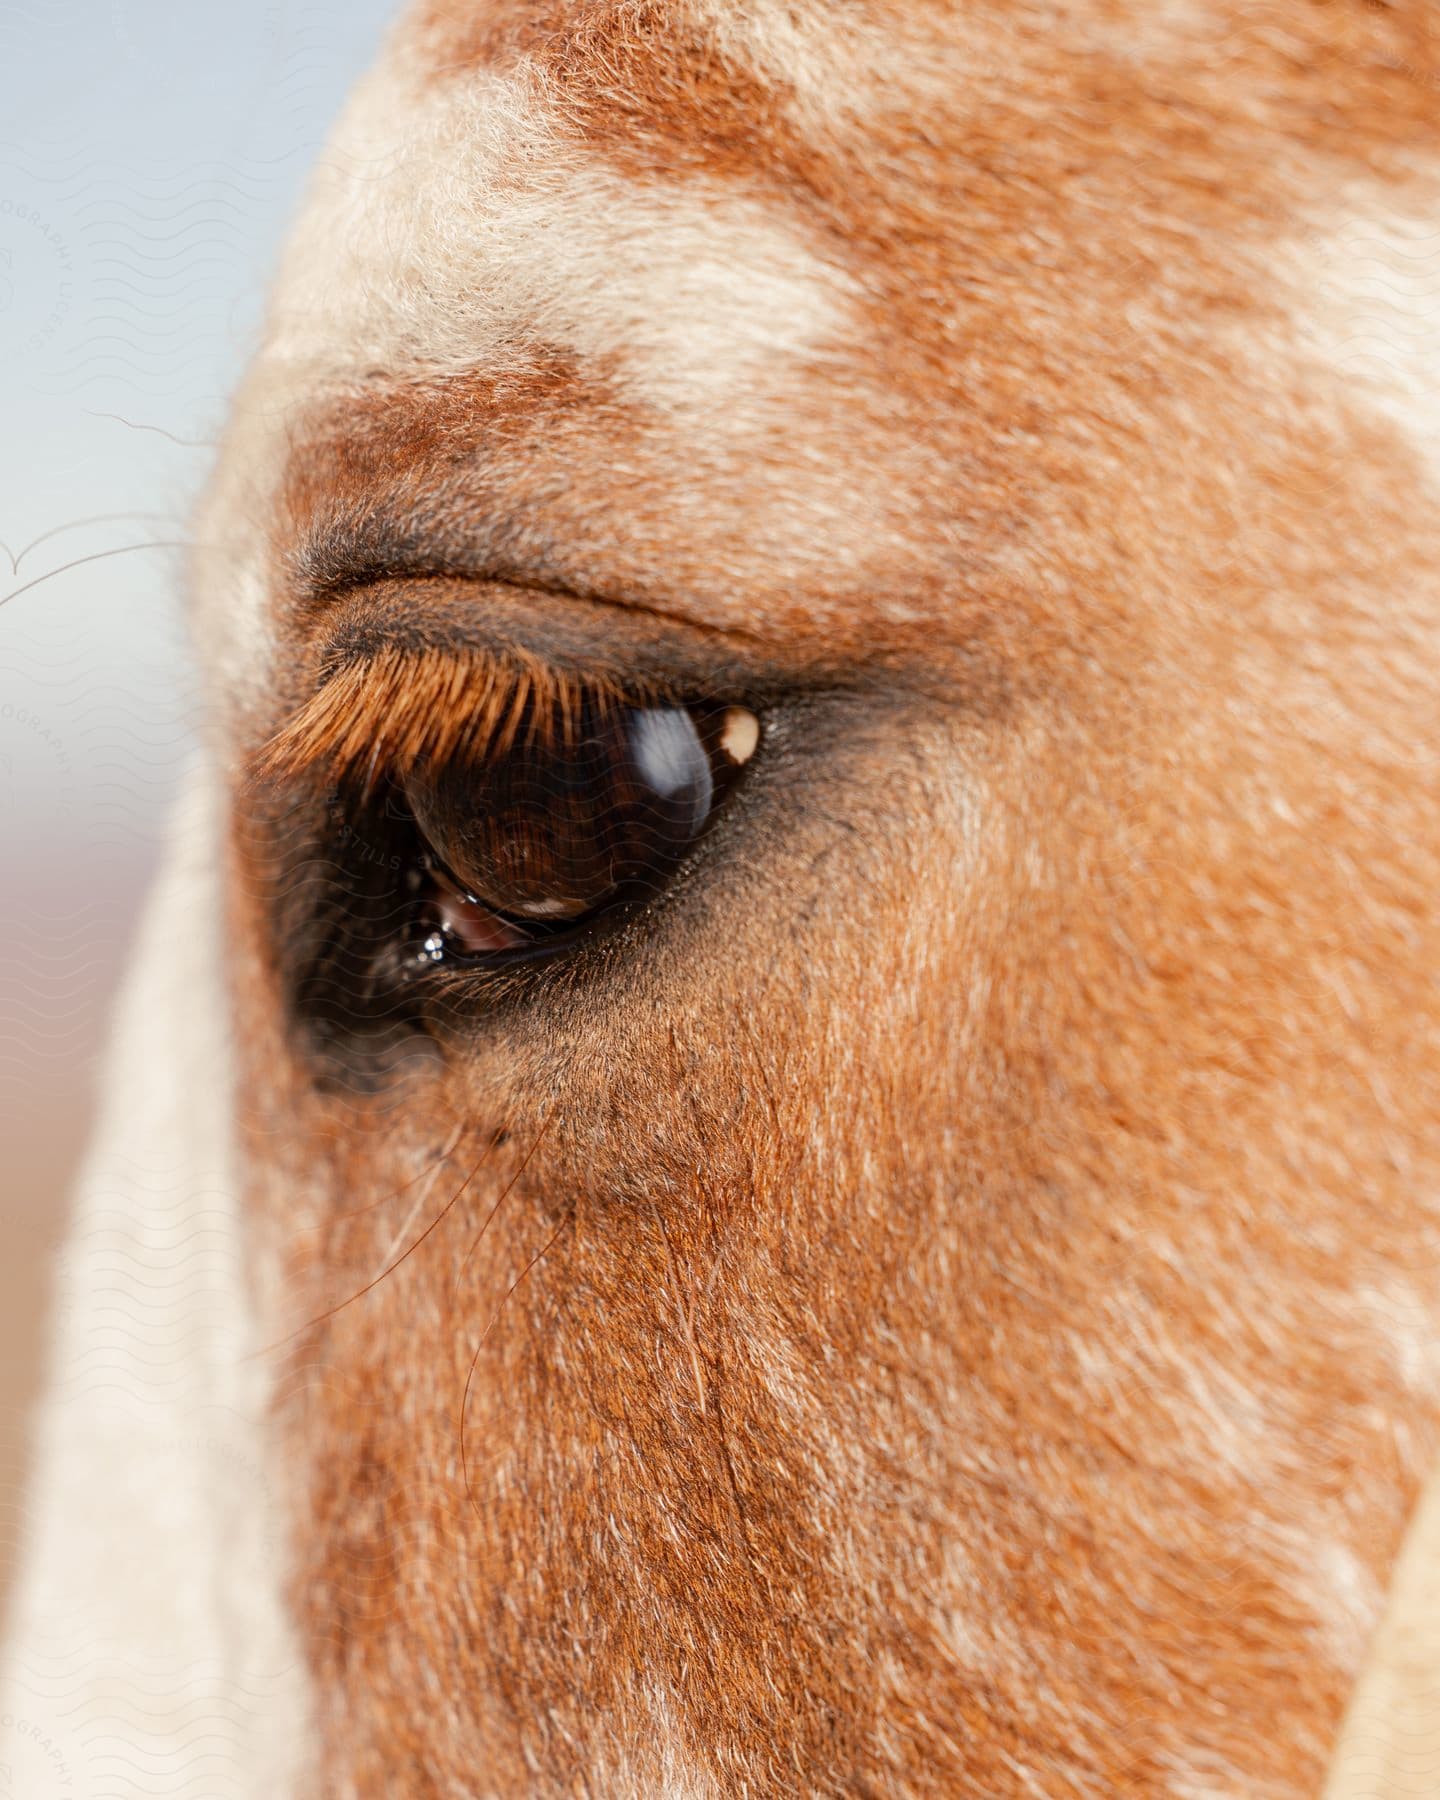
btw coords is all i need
(367, 546)
(404, 671)
(587, 637)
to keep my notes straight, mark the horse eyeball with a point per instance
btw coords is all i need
(466, 924)
(565, 822)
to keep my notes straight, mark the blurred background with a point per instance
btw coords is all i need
(150, 155)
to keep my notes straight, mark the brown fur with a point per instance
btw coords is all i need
(927, 1309)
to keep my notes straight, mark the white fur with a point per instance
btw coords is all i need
(1371, 306)
(148, 1653)
(1370, 287)
(843, 67)
(1390, 1748)
(453, 226)
(834, 69)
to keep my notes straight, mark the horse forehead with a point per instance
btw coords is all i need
(459, 224)
(816, 269)
(507, 295)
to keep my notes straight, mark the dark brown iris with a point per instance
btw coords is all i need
(531, 844)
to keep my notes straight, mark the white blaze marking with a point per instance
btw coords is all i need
(1371, 306)
(451, 228)
(454, 227)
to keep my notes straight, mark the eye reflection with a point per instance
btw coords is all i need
(670, 760)
(530, 844)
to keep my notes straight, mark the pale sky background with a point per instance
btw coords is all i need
(151, 152)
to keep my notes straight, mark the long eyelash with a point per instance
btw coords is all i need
(399, 709)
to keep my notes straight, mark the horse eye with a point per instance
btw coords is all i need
(521, 848)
